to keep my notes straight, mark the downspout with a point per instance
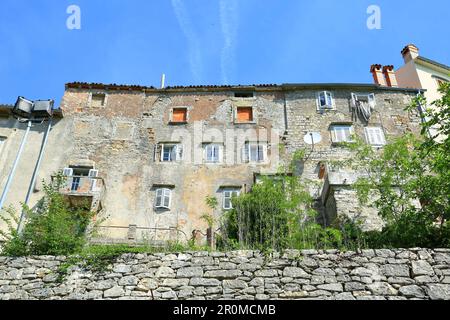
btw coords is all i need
(36, 169)
(38, 163)
(286, 127)
(14, 167)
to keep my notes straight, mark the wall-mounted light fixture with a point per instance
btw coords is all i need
(29, 111)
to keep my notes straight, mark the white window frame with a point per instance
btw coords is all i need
(68, 172)
(215, 146)
(230, 192)
(379, 141)
(334, 136)
(178, 152)
(247, 152)
(93, 173)
(330, 105)
(370, 98)
(2, 143)
(163, 194)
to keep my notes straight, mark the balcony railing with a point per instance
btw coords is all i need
(82, 186)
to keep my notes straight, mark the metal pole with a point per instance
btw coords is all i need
(33, 179)
(13, 170)
(38, 164)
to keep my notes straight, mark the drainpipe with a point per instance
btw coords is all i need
(33, 179)
(285, 113)
(16, 161)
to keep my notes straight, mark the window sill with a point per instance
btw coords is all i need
(177, 123)
(341, 144)
(162, 209)
(322, 110)
(244, 122)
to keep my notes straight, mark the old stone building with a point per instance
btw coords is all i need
(146, 159)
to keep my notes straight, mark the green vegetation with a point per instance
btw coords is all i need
(278, 213)
(410, 178)
(52, 227)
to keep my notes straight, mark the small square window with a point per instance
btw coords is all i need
(244, 114)
(243, 94)
(171, 152)
(163, 198)
(341, 133)
(179, 115)
(254, 152)
(228, 195)
(212, 153)
(375, 136)
(325, 100)
(98, 100)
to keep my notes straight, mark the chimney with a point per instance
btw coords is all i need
(410, 52)
(378, 75)
(391, 78)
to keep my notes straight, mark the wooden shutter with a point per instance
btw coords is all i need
(260, 152)
(371, 100)
(246, 153)
(322, 99)
(93, 174)
(245, 114)
(375, 136)
(179, 152)
(167, 194)
(159, 194)
(227, 200)
(179, 115)
(68, 172)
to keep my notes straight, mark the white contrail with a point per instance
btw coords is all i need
(229, 21)
(195, 59)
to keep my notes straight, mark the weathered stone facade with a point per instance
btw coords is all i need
(415, 274)
(121, 138)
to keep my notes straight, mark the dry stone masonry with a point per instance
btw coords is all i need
(415, 274)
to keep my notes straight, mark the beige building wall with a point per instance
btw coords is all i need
(119, 138)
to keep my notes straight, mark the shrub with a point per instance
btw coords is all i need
(51, 228)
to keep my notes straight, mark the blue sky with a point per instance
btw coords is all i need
(208, 41)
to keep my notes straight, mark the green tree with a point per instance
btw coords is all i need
(278, 213)
(411, 177)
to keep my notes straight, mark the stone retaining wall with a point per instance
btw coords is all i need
(310, 274)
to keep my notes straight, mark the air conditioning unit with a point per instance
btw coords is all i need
(43, 108)
(23, 107)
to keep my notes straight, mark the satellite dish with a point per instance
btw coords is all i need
(312, 138)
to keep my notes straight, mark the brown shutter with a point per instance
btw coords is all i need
(179, 115)
(244, 114)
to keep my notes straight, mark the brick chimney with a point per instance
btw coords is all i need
(378, 75)
(389, 74)
(410, 52)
